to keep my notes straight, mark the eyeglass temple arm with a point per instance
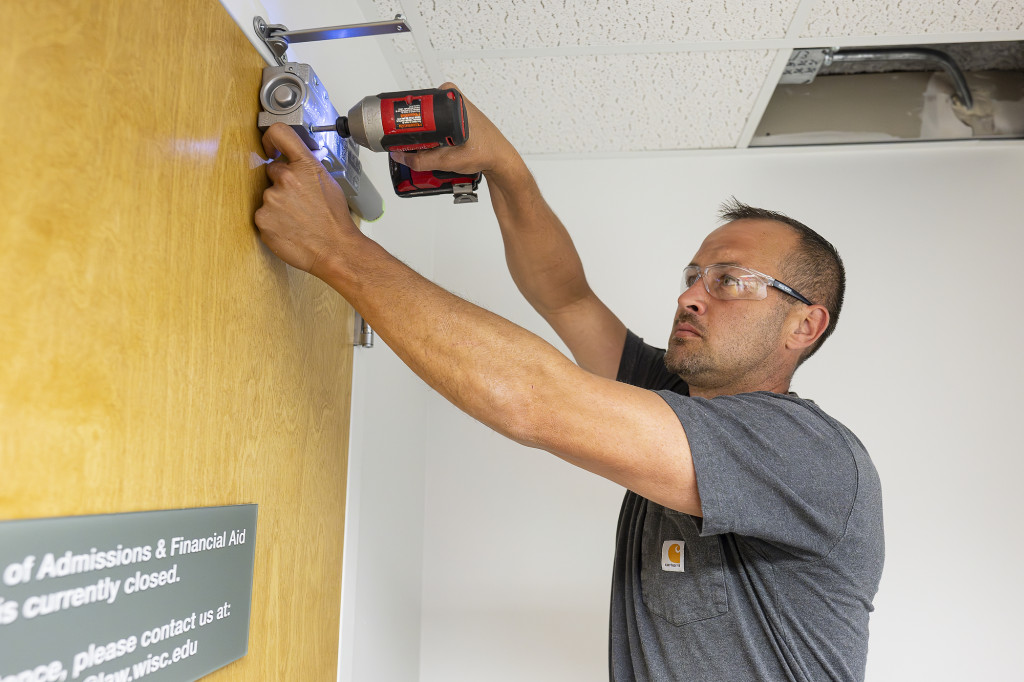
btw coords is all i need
(790, 290)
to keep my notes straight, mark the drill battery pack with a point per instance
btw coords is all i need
(410, 183)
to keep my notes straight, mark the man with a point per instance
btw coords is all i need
(750, 542)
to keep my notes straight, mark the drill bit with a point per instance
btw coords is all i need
(340, 126)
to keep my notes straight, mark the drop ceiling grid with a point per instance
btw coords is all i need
(661, 75)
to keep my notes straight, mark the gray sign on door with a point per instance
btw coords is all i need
(160, 595)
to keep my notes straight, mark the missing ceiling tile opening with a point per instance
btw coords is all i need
(871, 97)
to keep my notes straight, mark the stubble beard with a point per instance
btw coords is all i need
(690, 358)
(693, 364)
(696, 361)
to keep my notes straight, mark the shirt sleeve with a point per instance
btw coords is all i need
(643, 365)
(770, 466)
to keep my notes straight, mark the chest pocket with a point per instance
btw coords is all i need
(681, 596)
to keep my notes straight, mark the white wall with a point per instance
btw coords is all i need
(925, 366)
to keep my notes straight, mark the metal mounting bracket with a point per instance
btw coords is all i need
(277, 36)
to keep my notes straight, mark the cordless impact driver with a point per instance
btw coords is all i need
(409, 122)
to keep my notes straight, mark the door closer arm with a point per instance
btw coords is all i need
(277, 37)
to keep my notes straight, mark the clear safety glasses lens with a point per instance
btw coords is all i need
(727, 282)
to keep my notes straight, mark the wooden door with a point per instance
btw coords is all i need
(153, 354)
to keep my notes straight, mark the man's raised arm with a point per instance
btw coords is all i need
(540, 254)
(498, 373)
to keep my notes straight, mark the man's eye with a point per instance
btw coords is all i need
(730, 282)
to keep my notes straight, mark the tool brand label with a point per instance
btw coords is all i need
(408, 114)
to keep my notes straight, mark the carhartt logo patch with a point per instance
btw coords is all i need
(672, 555)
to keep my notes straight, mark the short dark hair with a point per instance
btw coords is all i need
(813, 268)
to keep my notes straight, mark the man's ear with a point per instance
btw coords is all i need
(810, 326)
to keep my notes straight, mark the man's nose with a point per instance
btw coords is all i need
(695, 298)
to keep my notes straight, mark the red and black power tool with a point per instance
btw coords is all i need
(411, 121)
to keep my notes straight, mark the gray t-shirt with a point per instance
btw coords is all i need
(775, 582)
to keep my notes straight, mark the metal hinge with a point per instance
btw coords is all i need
(363, 337)
(277, 36)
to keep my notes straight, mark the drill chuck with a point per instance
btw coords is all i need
(363, 124)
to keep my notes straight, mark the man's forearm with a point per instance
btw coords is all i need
(546, 267)
(540, 254)
(497, 372)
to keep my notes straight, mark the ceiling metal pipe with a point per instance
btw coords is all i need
(943, 60)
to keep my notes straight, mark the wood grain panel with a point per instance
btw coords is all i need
(154, 354)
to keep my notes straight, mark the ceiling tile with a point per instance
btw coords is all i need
(616, 103)
(895, 17)
(518, 24)
(417, 74)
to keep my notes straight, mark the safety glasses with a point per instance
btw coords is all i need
(732, 283)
